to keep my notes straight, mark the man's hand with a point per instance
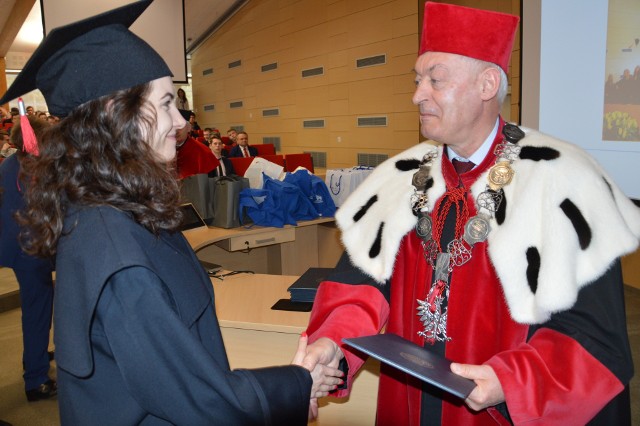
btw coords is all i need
(324, 354)
(325, 377)
(323, 351)
(488, 391)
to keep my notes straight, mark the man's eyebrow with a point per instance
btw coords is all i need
(431, 68)
(435, 66)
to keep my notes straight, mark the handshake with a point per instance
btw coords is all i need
(321, 358)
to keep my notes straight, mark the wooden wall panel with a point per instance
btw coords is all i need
(304, 34)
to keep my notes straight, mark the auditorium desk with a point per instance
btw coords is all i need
(256, 336)
(281, 251)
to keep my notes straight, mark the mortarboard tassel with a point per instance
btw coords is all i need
(29, 142)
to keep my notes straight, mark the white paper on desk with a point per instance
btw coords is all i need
(258, 166)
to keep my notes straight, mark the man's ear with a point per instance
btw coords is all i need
(490, 83)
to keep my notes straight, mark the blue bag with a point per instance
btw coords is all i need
(315, 190)
(276, 204)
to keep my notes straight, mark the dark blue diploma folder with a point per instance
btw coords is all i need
(414, 360)
(305, 287)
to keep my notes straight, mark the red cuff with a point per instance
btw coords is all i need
(552, 380)
(343, 311)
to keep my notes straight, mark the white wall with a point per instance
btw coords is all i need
(567, 73)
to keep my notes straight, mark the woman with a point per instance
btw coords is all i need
(137, 338)
(181, 100)
(33, 274)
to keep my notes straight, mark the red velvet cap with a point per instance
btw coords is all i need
(475, 33)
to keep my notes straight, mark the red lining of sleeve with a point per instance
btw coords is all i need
(345, 310)
(552, 380)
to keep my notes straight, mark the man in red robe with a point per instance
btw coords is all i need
(192, 157)
(498, 249)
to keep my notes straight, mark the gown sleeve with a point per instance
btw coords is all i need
(170, 372)
(348, 304)
(573, 365)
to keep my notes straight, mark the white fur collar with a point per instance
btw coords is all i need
(381, 206)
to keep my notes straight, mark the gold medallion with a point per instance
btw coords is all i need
(500, 175)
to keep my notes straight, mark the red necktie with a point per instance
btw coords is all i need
(244, 152)
(462, 166)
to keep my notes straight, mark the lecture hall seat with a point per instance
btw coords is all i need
(293, 161)
(241, 164)
(275, 158)
(265, 149)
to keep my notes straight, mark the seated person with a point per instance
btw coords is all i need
(195, 127)
(7, 148)
(232, 134)
(225, 168)
(192, 157)
(208, 134)
(243, 149)
(5, 115)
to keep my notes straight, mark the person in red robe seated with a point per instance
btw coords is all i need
(498, 249)
(192, 156)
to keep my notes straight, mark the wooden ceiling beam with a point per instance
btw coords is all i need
(17, 17)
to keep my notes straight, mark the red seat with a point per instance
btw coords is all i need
(265, 149)
(293, 161)
(275, 158)
(240, 164)
(201, 139)
(225, 140)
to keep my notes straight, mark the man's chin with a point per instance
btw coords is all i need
(428, 132)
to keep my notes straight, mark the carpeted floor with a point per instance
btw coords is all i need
(14, 407)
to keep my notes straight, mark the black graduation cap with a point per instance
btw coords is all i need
(88, 59)
(185, 113)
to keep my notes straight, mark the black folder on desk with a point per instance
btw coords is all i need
(414, 360)
(210, 268)
(305, 287)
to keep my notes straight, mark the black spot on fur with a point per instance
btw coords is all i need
(429, 183)
(363, 209)
(374, 251)
(533, 268)
(539, 153)
(609, 186)
(501, 212)
(582, 228)
(406, 165)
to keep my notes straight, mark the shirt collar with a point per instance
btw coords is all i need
(481, 152)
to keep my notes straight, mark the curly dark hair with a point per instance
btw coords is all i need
(97, 156)
(38, 126)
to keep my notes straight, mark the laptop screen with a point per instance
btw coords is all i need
(190, 217)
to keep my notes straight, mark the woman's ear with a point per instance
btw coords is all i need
(490, 83)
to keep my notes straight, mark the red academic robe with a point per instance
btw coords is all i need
(542, 370)
(194, 158)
